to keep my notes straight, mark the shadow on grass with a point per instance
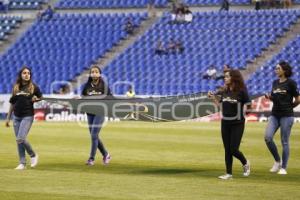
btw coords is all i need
(130, 168)
(144, 169)
(166, 171)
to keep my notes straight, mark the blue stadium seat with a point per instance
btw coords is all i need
(63, 47)
(213, 38)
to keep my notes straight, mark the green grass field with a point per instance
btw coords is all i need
(149, 161)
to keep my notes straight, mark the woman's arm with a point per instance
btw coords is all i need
(296, 102)
(9, 115)
(214, 97)
(37, 95)
(248, 108)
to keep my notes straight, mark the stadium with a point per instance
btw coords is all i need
(149, 83)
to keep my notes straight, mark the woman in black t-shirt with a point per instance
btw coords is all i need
(232, 99)
(284, 90)
(96, 86)
(24, 94)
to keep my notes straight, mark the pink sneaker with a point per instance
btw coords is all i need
(90, 162)
(106, 159)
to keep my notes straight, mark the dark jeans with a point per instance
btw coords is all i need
(22, 126)
(95, 124)
(232, 135)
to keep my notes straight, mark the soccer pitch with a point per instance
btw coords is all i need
(149, 161)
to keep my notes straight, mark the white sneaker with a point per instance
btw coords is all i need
(246, 169)
(20, 167)
(282, 171)
(106, 159)
(225, 177)
(276, 167)
(34, 160)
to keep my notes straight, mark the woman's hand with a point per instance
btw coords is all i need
(211, 95)
(35, 99)
(267, 96)
(7, 123)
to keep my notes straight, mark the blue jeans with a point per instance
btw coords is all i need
(22, 126)
(285, 124)
(95, 124)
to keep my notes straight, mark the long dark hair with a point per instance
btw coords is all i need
(237, 81)
(19, 83)
(285, 66)
(90, 77)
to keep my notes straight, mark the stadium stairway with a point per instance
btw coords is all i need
(29, 17)
(53, 2)
(274, 49)
(115, 51)
(249, 68)
(18, 32)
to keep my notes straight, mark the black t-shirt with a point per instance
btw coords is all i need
(282, 96)
(22, 101)
(100, 89)
(232, 105)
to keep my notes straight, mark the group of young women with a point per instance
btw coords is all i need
(26, 93)
(232, 98)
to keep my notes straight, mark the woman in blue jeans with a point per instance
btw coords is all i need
(96, 86)
(284, 91)
(24, 94)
